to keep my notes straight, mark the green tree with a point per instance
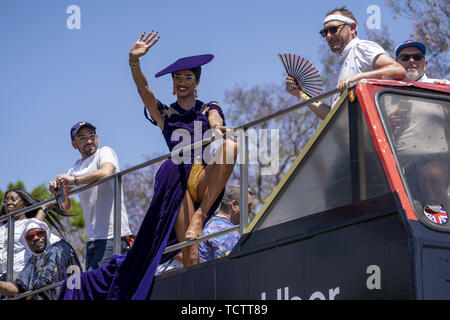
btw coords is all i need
(74, 234)
(41, 193)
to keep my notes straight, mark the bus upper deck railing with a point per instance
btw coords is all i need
(117, 178)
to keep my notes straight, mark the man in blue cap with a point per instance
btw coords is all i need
(411, 55)
(97, 202)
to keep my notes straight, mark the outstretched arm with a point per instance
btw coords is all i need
(104, 171)
(383, 65)
(139, 49)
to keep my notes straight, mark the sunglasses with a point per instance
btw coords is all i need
(332, 30)
(12, 198)
(406, 57)
(39, 234)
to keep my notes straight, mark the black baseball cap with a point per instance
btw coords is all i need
(77, 126)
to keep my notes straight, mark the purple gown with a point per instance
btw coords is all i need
(131, 276)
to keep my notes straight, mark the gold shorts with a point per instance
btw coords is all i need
(192, 184)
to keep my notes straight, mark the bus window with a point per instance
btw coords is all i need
(418, 129)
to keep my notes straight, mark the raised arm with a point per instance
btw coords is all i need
(139, 49)
(319, 108)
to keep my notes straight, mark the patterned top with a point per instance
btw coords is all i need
(219, 246)
(47, 268)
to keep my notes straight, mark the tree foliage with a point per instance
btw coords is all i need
(138, 192)
(430, 25)
(294, 130)
(242, 105)
(41, 193)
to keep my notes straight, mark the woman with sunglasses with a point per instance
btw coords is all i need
(188, 186)
(16, 199)
(359, 59)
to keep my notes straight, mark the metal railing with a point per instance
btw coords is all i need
(117, 178)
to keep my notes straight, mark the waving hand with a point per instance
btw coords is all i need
(144, 43)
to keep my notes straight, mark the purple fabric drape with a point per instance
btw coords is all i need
(131, 276)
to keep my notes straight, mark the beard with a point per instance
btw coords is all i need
(336, 46)
(412, 75)
(89, 150)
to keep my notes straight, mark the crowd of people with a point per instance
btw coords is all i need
(187, 195)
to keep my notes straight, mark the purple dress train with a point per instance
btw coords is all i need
(131, 276)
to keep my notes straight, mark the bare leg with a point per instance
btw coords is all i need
(212, 180)
(182, 224)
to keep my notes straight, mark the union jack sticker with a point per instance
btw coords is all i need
(436, 214)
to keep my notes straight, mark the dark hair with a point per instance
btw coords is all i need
(52, 217)
(197, 71)
(344, 12)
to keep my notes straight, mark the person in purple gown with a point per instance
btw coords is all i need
(185, 193)
(205, 182)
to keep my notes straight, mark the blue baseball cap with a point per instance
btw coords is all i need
(77, 126)
(410, 43)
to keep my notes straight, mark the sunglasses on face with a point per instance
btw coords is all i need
(332, 30)
(11, 198)
(39, 234)
(406, 57)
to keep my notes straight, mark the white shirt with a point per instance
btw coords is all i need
(357, 57)
(424, 78)
(98, 202)
(19, 248)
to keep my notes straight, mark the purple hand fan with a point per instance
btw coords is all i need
(306, 76)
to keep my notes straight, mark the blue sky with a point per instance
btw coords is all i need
(52, 76)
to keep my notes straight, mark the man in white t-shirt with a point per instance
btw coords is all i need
(97, 202)
(411, 55)
(359, 59)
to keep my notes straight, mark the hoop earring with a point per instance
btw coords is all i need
(195, 93)
(173, 91)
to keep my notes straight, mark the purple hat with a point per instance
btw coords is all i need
(186, 63)
(410, 43)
